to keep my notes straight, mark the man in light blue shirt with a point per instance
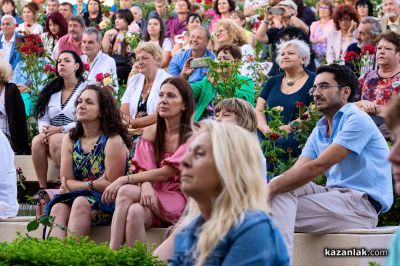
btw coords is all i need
(179, 65)
(350, 151)
(392, 120)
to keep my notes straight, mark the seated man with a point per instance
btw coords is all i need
(367, 34)
(392, 119)
(8, 182)
(97, 61)
(198, 40)
(8, 40)
(349, 150)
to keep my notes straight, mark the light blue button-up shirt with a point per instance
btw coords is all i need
(366, 169)
(178, 62)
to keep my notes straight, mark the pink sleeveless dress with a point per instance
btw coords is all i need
(171, 199)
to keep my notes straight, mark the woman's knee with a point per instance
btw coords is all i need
(60, 211)
(37, 143)
(128, 194)
(80, 206)
(136, 214)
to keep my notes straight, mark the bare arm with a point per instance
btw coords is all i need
(306, 169)
(262, 124)
(261, 33)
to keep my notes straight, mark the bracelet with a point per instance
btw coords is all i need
(90, 185)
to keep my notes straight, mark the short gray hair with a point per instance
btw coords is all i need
(79, 19)
(208, 35)
(376, 26)
(55, 1)
(302, 47)
(8, 17)
(95, 31)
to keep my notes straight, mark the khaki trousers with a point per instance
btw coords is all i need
(320, 210)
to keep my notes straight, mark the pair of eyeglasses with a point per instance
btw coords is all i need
(322, 86)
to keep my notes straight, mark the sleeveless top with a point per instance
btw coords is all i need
(89, 166)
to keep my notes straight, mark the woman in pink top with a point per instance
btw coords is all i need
(152, 195)
(320, 29)
(223, 9)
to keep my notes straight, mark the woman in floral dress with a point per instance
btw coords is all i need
(94, 155)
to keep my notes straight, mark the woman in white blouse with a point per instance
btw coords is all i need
(346, 21)
(30, 15)
(139, 103)
(56, 112)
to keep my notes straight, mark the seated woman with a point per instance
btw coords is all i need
(94, 154)
(285, 90)
(182, 40)
(221, 173)
(56, 27)
(239, 18)
(155, 33)
(12, 112)
(8, 7)
(93, 16)
(115, 45)
(139, 103)
(227, 32)
(234, 111)
(346, 20)
(8, 180)
(152, 195)
(30, 25)
(379, 86)
(56, 112)
(206, 90)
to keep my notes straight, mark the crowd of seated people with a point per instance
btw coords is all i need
(144, 151)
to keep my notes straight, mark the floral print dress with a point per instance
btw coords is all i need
(88, 167)
(380, 90)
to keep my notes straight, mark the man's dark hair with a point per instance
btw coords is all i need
(343, 76)
(71, 7)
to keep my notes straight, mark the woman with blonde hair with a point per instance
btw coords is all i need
(139, 103)
(230, 189)
(228, 32)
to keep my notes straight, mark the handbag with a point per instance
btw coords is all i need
(45, 195)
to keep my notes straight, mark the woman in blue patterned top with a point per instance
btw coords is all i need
(94, 154)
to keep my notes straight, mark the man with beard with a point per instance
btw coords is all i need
(73, 40)
(391, 21)
(349, 150)
(367, 34)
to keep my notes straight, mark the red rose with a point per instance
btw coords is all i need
(274, 136)
(350, 56)
(47, 67)
(289, 150)
(304, 116)
(99, 77)
(40, 50)
(209, 2)
(198, 1)
(250, 58)
(368, 48)
(44, 12)
(86, 67)
(270, 158)
(106, 13)
(299, 105)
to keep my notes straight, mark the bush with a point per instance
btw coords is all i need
(72, 251)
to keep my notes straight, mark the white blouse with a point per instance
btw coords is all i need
(35, 29)
(54, 109)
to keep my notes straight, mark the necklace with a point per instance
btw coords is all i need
(291, 82)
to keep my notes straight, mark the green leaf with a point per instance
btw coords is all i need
(33, 225)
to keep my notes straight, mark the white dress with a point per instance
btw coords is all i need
(35, 29)
(8, 180)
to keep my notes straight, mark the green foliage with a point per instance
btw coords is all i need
(373, 263)
(392, 217)
(72, 251)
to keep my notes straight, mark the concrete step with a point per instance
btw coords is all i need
(308, 248)
(25, 162)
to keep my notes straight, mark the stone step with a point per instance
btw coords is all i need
(25, 162)
(308, 248)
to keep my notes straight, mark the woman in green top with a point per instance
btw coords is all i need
(206, 90)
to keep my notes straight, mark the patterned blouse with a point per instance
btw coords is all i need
(377, 89)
